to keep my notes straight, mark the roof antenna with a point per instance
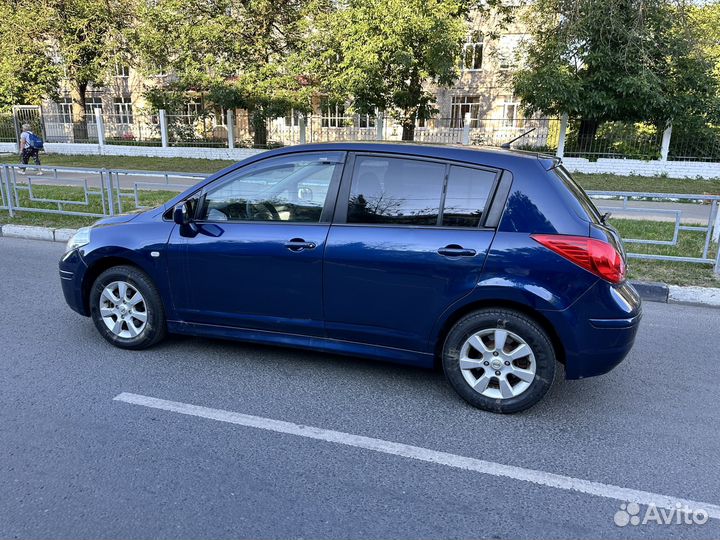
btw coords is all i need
(506, 145)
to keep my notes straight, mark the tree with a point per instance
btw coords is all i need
(27, 73)
(384, 53)
(234, 52)
(705, 19)
(90, 41)
(606, 60)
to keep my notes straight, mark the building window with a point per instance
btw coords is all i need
(292, 118)
(366, 120)
(332, 115)
(65, 115)
(472, 52)
(220, 114)
(122, 71)
(511, 114)
(194, 108)
(122, 107)
(507, 50)
(460, 106)
(92, 103)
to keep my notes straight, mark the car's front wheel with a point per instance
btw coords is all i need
(499, 360)
(126, 308)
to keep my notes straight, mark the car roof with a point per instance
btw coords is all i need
(493, 157)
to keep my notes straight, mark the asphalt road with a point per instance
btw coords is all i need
(74, 462)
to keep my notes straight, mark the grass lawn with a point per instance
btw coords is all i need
(647, 184)
(68, 193)
(690, 244)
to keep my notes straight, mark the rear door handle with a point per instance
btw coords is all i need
(298, 244)
(454, 250)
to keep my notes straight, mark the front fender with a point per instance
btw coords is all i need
(140, 243)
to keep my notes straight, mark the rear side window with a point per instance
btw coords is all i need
(397, 191)
(466, 196)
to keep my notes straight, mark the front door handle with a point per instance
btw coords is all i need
(453, 250)
(298, 244)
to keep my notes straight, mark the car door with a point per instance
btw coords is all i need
(253, 258)
(406, 243)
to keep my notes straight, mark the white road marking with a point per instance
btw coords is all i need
(425, 454)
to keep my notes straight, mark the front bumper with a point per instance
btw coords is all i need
(72, 269)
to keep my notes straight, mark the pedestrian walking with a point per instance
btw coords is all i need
(30, 146)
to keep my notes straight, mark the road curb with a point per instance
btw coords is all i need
(32, 232)
(695, 296)
(650, 291)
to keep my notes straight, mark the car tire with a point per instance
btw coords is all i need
(499, 379)
(124, 319)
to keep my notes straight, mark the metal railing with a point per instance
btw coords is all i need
(664, 220)
(85, 191)
(686, 213)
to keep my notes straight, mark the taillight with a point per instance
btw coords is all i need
(595, 256)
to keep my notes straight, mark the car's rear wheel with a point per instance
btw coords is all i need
(499, 360)
(126, 308)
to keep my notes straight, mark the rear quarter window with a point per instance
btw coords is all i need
(587, 208)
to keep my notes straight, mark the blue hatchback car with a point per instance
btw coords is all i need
(492, 263)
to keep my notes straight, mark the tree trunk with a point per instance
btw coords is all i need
(80, 130)
(259, 125)
(586, 135)
(408, 127)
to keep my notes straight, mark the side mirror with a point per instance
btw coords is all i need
(181, 213)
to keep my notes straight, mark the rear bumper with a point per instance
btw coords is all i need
(72, 269)
(599, 330)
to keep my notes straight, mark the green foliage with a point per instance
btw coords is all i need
(616, 140)
(235, 52)
(705, 18)
(696, 141)
(89, 36)
(26, 72)
(604, 60)
(385, 53)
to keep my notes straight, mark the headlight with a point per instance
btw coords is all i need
(79, 239)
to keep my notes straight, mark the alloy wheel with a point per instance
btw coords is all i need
(497, 363)
(123, 309)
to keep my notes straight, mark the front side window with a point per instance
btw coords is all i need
(291, 189)
(395, 191)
